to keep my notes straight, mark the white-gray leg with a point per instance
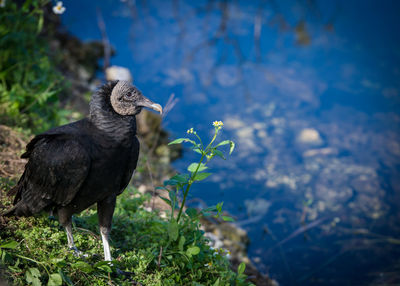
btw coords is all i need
(105, 210)
(68, 229)
(106, 246)
(71, 244)
(65, 218)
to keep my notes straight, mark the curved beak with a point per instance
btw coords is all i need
(145, 102)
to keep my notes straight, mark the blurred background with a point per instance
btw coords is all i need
(309, 91)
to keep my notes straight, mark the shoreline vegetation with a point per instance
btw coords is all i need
(51, 88)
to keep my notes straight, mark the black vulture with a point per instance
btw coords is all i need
(73, 166)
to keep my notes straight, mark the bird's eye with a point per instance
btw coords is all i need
(129, 94)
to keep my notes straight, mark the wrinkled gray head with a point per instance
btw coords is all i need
(128, 100)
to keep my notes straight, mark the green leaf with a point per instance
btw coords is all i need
(173, 198)
(40, 24)
(32, 276)
(225, 142)
(216, 282)
(177, 141)
(182, 241)
(178, 179)
(65, 278)
(170, 183)
(60, 262)
(218, 153)
(227, 218)
(181, 178)
(34, 272)
(10, 244)
(219, 206)
(192, 167)
(56, 260)
(166, 200)
(173, 230)
(172, 195)
(83, 266)
(180, 140)
(241, 268)
(100, 263)
(54, 280)
(193, 250)
(26, 5)
(197, 150)
(201, 176)
(232, 144)
(105, 268)
(210, 209)
(191, 212)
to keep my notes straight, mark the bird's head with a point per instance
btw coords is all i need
(128, 100)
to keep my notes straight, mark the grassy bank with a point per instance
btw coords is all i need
(34, 250)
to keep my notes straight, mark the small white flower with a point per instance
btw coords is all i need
(218, 124)
(59, 8)
(2, 3)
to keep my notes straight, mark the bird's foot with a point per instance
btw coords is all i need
(128, 276)
(125, 273)
(78, 253)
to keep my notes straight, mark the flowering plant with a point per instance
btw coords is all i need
(184, 232)
(184, 181)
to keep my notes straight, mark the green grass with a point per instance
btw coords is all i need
(37, 249)
(30, 82)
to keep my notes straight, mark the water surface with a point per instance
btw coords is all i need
(309, 91)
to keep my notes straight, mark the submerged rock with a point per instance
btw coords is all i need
(231, 237)
(118, 73)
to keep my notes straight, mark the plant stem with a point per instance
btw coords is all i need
(188, 187)
(201, 142)
(212, 140)
(204, 152)
(37, 262)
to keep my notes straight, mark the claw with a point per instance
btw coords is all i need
(78, 253)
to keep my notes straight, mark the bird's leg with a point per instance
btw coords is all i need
(71, 244)
(105, 211)
(70, 237)
(65, 219)
(105, 232)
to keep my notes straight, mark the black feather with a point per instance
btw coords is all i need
(74, 166)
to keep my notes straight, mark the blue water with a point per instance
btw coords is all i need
(322, 212)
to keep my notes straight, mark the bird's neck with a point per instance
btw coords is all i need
(119, 128)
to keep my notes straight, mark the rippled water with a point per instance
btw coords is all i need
(309, 91)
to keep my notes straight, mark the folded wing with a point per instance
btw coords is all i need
(57, 168)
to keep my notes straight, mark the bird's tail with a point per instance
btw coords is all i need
(20, 209)
(9, 212)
